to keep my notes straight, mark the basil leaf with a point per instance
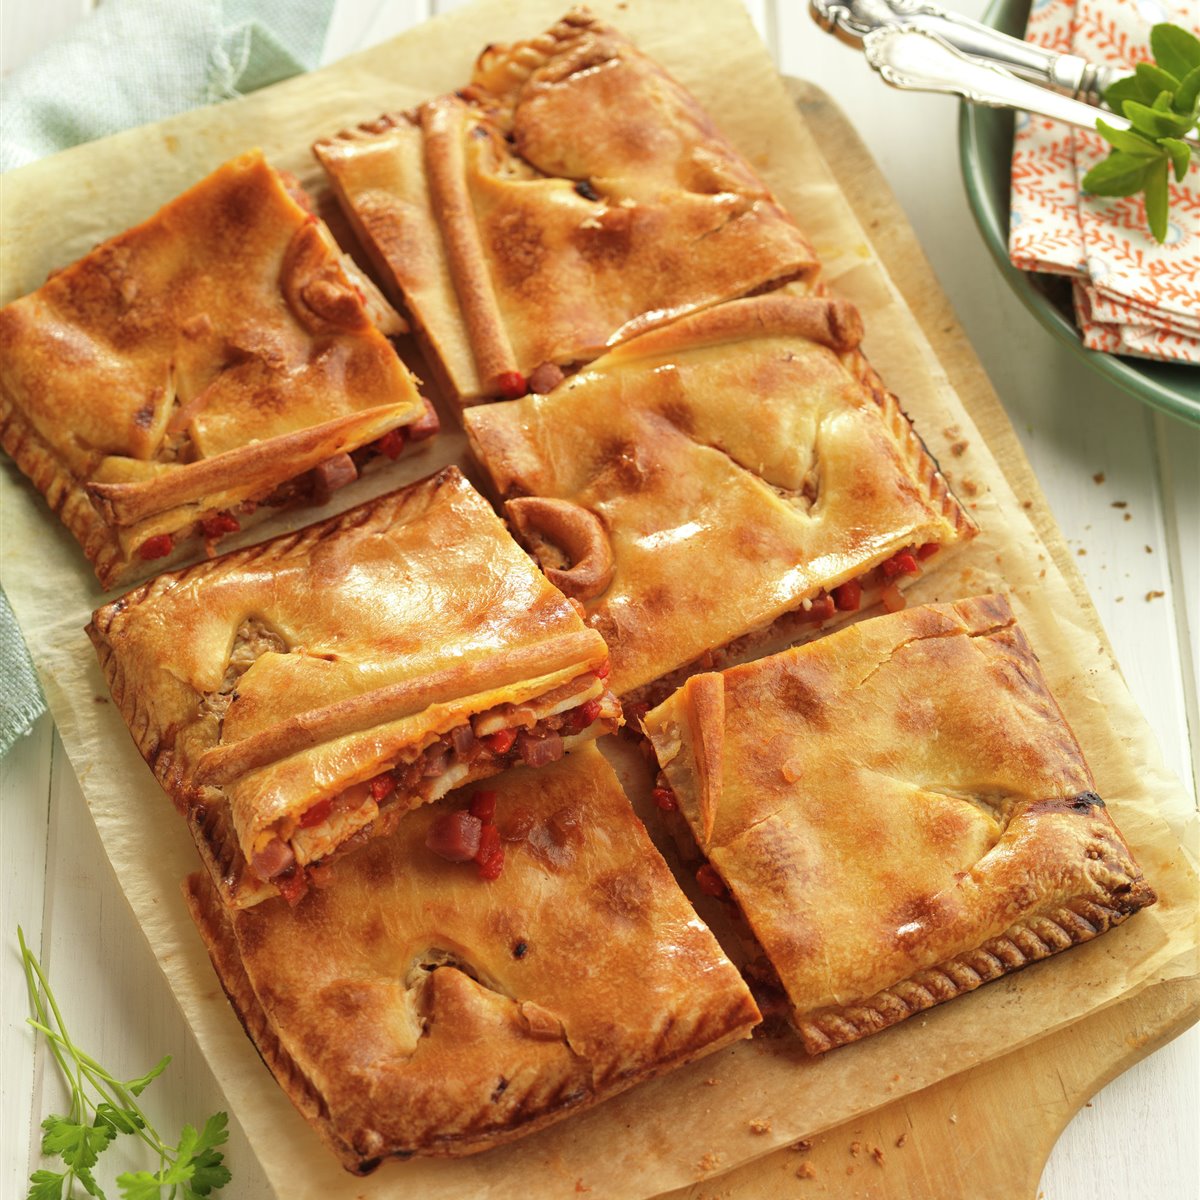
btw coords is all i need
(1174, 49)
(1181, 154)
(1157, 200)
(1119, 174)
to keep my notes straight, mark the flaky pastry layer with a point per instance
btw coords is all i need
(324, 680)
(415, 1008)
(900, 810)
(701, 481)
(572, 196)
(221, 355)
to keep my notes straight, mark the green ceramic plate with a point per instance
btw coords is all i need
(985, 137)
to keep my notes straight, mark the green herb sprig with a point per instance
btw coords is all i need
(1162, 102)
(103, 1107)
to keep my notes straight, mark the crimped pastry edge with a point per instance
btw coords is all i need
(1030, 940)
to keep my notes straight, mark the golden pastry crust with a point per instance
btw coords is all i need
(186, 369)
(740, 464)
(579, 972)
(901, 811)
(572, 196)
(316, 682)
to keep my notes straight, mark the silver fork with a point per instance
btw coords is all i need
(853, 20)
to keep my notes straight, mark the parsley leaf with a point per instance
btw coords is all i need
(192, 1169)
(46, 1185)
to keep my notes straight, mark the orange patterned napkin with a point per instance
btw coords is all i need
(1132, 296)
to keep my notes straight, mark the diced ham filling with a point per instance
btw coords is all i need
(328, 822)
(882, 580)
(316, 485)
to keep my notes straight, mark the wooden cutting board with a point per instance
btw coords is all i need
(984, 1134)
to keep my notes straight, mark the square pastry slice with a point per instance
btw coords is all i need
(222, 355)
(325, 682)
(900, 810)
(732, 476)
(571, 196)
(416, 1006)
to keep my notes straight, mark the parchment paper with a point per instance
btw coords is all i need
(696, 1122)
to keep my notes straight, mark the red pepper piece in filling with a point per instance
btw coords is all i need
(710, 882)
(928, 550)
(490, 855)
(392, 443)
(158, 546)
(664, 798)
(220, 524)
(580, 718)
(483, 806)
(512, 384)
(316, 813)
(848, 596)
(292, 885)
(502, 742)
(906, 563)
(603, 670)
(382, 786)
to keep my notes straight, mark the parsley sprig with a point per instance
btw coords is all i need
(1162, 102)
(103, 1107)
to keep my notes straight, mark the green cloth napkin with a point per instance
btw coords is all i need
(127, 63)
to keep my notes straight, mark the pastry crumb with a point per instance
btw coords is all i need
(710, 1082)
(99, 699)
(1098, 477)
(803, 1146)
(1119, 600)
(1119, 504)
(806, 1170)
(969, 487)
(953, 1119)
(710, 1162)
(902, 1139)
(1154, 595)
(856, 1148)
(1081, 552)
(1149, 550)
(1026, 503)
(877, 1154)
(760, 1127)
(580, 1186)
(959, 448)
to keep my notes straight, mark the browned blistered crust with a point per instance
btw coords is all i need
(191, 366)
(744, 461)
(900, 810)
(571, 197)
(577, 973)
(350, 681)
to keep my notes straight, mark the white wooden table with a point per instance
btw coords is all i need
(1092, 448)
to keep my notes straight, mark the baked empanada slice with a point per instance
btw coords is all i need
(572, 196)
(737, 475)
(416, 1007)
(220, 358)
(900, 810)
(297, 697)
